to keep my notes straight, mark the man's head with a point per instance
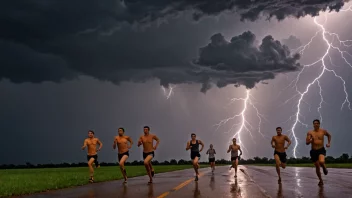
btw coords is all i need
(146, 130)
(211, 146)
(316, 124)
(121, 131)
(193, 136)
(234, 140)
(91, 133)
(278, 131)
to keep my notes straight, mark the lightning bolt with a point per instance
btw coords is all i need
(243, 125)
(329, 38)
(168, 92)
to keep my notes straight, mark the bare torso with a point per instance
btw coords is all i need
(318, 138)
(147, 141)
(122, 143)
(279, 143)
(92, 145)
(234, 147)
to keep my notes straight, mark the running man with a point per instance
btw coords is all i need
(234, 148)
(148, 150)
(195, 153)
(211, 152)
(278, 143)
(318, 152)
(123, 150)
(92, 155)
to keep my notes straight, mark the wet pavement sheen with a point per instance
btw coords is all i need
(252, 182)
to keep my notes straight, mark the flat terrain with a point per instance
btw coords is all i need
(25, 181)
(344, 165)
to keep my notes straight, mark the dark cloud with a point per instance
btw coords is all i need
(66, 40)
(292, 42)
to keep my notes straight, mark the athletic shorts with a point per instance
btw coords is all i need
(314, 154)
(234, 158)
(120, 155)
(282, 156)
(194, 155)
(211, 160)
(92, 156)
(146, 154)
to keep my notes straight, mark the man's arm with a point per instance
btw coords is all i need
(157, 141)
(272, 142)
(326, 133)
(201, 143)
(114, 145)
(130, 140)
(100, 144)
(208, 151)
(214, 151)
(239, 148)
(309, 138)
(228, 150)
(140, 141)
(84, 144)
(188, 146)
(289, 142)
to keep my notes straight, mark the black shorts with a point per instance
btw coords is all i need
(194, 155)
(92, 156)
(146, 154)
(234, 158)
(211, 160)
(314, 154)
(120, 155)
(282, 156)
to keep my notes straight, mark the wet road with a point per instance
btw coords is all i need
(252, 182)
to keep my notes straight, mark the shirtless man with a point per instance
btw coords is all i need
(195, 152)
(92, 155)
(123, 149)
(148, 150)
(234, 148)
(211, 152)
(318, 152)
(278, 143)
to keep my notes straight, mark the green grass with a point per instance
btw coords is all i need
(27, 181)
(345, 165)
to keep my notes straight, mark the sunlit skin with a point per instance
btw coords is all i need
(278, 143)
(195, 160)
(147, 141)
(234, 147)
(91, 142)
(122, 146)
(315, 137)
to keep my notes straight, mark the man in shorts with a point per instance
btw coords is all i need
(123, 150)
(91, 142)
(234, 148)
(148, 150)
(211, 152)
(195, 153)
(318, 152)
(278, 143)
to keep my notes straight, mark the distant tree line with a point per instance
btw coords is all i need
(344, 158)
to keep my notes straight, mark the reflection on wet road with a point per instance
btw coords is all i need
(252, 182)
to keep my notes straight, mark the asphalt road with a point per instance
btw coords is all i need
(252, 182)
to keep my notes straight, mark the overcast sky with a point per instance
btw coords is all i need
(101, 65)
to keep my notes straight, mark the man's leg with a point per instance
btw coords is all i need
(122, 166)
(91, 170)
(96, 162)
(322, 163)
(151, 168)
(317, 170)
(236, 165)
(147, 167)
(278, 163)
(195, 166)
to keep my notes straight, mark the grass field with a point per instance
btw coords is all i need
(345, 165)
(27, 181)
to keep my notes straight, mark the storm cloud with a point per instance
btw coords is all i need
(53, 41)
